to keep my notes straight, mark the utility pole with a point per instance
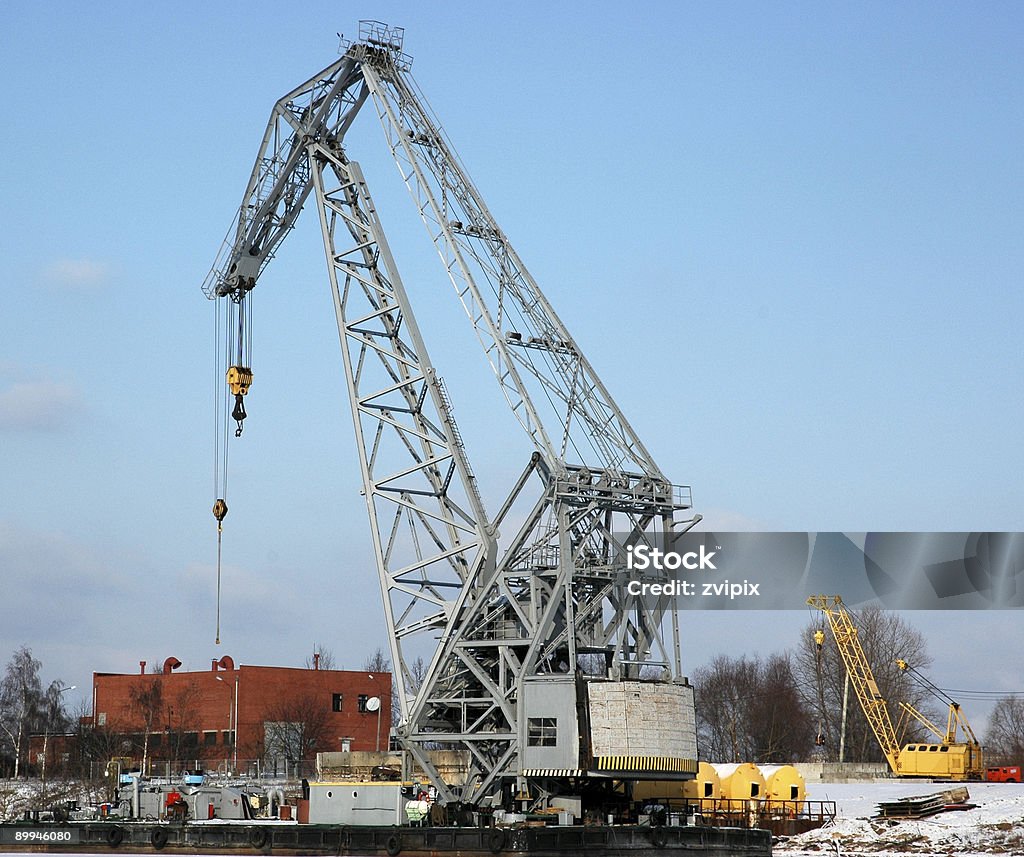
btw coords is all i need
(842, 728)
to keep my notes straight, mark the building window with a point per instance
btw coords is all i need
(225, 738)
(155, 740)
(541, 731)
(336, 700)
(191, 739)
(361, 702)
(210, 739)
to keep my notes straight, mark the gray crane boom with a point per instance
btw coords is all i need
(321, 108)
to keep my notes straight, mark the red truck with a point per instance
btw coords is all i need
(1004, 774)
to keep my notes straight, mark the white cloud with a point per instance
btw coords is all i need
(35, 405)
(76, 274)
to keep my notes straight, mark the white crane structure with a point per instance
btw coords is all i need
(540, 667)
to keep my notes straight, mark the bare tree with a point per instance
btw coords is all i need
(780, 722)
(417, 673)
(885, 637)
(1004, 740)
(180, 727)
(750, 710)
(721, 691)
(21, 697)
(295, 729)
(52, 718)
(322, 658)
(86, 758)
(414, 678)
(378, 662)
(146, 701)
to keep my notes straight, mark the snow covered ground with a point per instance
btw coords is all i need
(996, 826)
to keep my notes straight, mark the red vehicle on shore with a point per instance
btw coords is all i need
(1003, 774)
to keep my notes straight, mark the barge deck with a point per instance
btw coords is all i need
(313, 839)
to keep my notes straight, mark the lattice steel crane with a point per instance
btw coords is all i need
(534, 649)
(950, 759)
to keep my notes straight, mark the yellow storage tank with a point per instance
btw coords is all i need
(646, 790)
(706, 786)
(740, 784)
(784, 783)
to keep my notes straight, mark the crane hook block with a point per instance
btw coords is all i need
(220, 510)
(239, 379)
(238, 413)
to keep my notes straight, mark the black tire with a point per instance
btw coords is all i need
(158, 838)
(259, 837)
(658, 837)
(114, 836)
(496, 840)
(394, 845)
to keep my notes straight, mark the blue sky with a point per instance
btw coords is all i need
(788, 236)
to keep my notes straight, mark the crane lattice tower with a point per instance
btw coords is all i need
(540, 666)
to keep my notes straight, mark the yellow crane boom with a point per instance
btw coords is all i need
(872, 703)
(955, 720)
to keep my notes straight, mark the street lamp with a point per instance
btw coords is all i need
(373, 704)
(233, 719)
(54, 705)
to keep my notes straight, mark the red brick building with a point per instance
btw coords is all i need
(277, 714)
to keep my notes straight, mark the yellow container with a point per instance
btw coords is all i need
(783, 783)
(706, 786)
(655, 790)
(741, 784)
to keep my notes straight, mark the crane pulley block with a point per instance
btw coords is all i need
(239, 379)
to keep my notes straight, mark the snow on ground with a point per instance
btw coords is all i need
(995, 826)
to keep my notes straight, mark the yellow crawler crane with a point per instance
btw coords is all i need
(966, 755)
(948, 760)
